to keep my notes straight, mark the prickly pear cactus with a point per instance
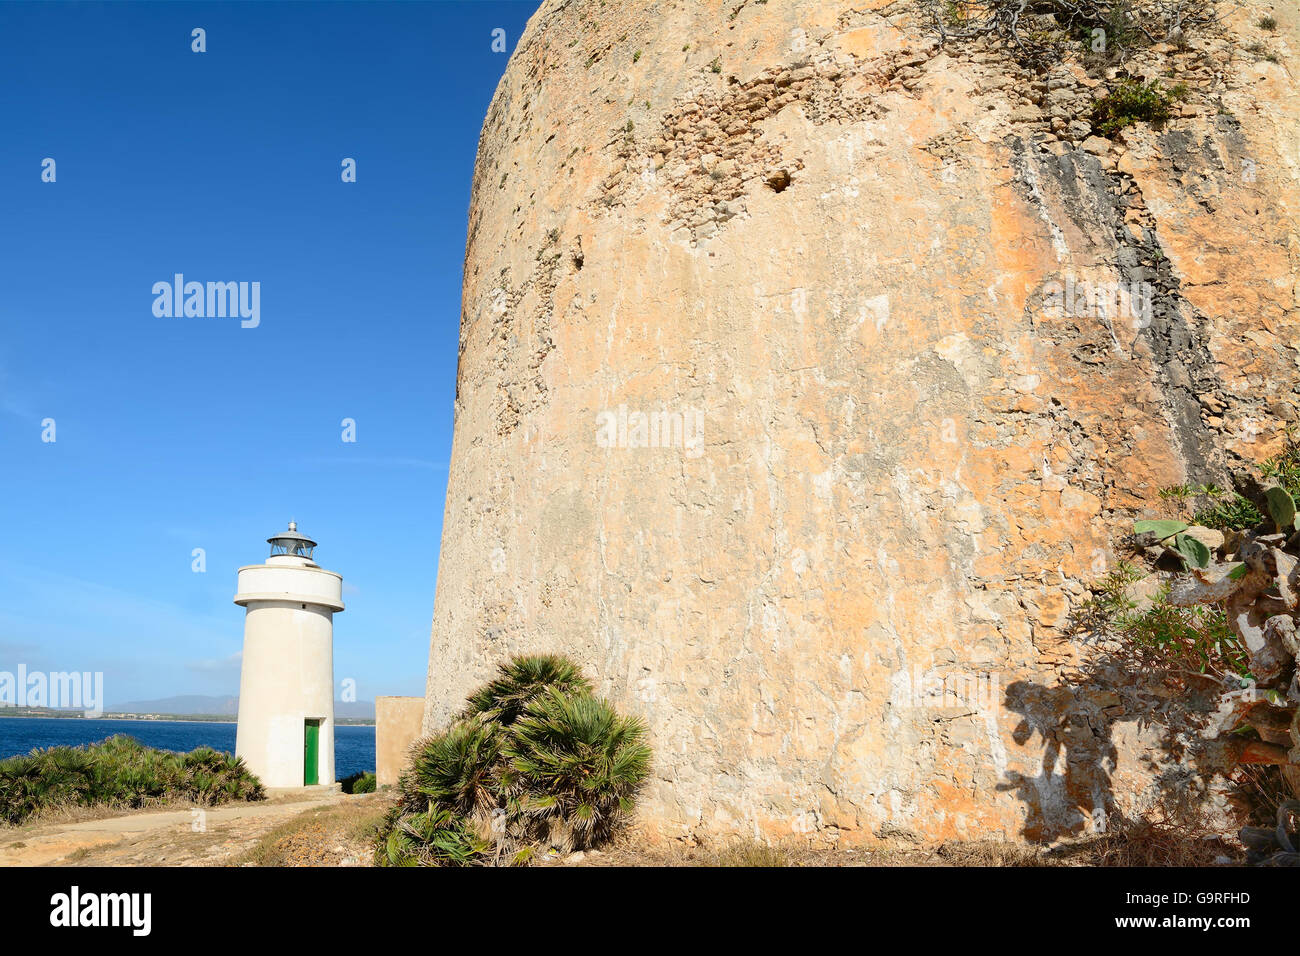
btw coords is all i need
(1257, 582)
(1276, 846)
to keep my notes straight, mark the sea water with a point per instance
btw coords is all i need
(354, 746)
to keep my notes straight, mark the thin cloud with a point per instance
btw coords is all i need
(221, 667)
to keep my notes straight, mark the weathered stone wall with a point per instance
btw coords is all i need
(838, 244)
(397, 726)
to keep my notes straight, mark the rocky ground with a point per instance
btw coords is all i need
(318, 830)
(337, 829)
(1140, 844)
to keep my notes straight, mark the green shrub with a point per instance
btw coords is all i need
(1198, 638)
(119, 771)
(1231, 618)
(1238, 513)
(1163, 637)
(458, 770)
(575, 765)
(433, 837)
(535, 761)
(363, 781)
(1133, 102)
(1284, 468)
(1190, 638)
(503, 698)
(1235, 513)
(210, 776)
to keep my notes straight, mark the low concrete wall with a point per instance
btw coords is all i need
(397, 726)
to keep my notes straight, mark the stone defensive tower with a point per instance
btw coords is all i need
(811, 370)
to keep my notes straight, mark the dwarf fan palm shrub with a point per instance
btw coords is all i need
(519, 681)
(119, 771)
(24, 789)
(575, 766)
(534, 762)
(432, 838)
(458, 770)
(210, 776)
(453, 770)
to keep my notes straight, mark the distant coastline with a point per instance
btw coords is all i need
(8, 711)
(354, 747)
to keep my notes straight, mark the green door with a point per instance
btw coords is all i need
(310, 752)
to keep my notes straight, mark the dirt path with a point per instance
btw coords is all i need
(186, 837)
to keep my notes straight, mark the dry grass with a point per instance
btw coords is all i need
(746, 853)
(992, 853)
(341, 834)
(1158, 842)
(632, 850)
(73, 813)
(1148, 843)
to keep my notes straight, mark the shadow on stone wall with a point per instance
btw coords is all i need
(1076, 718)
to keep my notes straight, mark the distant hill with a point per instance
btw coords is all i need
(191, 704)
(183, 704)
(358, 710)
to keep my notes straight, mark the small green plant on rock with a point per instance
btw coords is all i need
(1236, 512)
(1261, 51)
(1134, 102)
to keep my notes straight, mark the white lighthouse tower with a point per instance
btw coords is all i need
(286, 682)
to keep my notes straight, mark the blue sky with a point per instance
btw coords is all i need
(179, 433)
